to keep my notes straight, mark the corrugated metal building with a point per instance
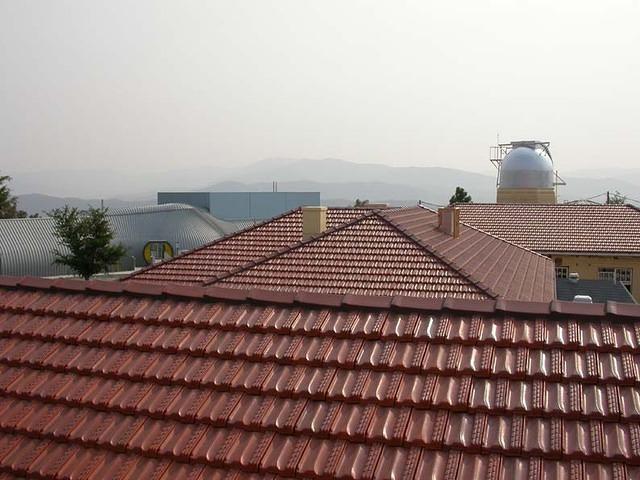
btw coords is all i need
(26, 244)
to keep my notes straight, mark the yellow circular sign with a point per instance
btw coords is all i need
(156, 250)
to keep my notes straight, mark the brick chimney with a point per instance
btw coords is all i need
(449, 221)
(314, 221)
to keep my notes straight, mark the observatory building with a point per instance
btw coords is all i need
(525, 172)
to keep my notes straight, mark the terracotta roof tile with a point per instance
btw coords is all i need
(560, 228)
(175, 385)
(366, 256)
(403, 252)
(388, 252)
(238, 249)
(501, 267)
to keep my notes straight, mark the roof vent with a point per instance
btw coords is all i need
(582, 299)
(314, 221)
(574, 277)
(449, 221)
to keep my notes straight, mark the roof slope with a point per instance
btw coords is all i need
(600, 291)
(508, 270)
(366, 256)
(26, 244)
(212, 383)
(238, 249)
(402, 252)
(560, 228)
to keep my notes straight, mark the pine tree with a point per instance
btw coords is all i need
(461, 196)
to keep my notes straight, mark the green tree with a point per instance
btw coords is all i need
(8, 203)
(360, 203)
(87, 235)
(616, 198)
(461, 196)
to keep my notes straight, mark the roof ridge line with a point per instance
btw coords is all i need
(324, 300)
(282, 251)
(207, 245)
(503, 240)
(491, 234)
(459, 269)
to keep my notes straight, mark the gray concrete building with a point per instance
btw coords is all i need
(242, 206)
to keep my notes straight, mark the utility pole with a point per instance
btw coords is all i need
(608, 198)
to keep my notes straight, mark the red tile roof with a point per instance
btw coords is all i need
(403, 252)
(506, 269)
(240, 248)
(384, 252)
(576, 229)
(366, 256)
(128, 380)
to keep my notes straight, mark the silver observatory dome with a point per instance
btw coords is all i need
(523, 167)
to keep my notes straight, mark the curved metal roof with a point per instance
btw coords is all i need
(26, 244)
(524, 168)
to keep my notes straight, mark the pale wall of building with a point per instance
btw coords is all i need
(526, 195)
(588, 267)
(233, 206)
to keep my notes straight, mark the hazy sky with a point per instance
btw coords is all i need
(168, 84)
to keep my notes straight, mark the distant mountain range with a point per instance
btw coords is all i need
(339, 182)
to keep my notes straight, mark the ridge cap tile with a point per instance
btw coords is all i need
(10, 280)
(221, 293)
(623, 309)
(523, 306)
(34, 282)
(469, 305)
(270, 296)
(105, 286)
(188, 291)
(573, 308)
(318, 299)
(367, 301)
(143, 288)
(327, 299)
(69, 284)
(417, 303)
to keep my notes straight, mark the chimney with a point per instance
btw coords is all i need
(449, 221)
(314, 221)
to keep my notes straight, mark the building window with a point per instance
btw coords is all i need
(562, 272)
(619, 275)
